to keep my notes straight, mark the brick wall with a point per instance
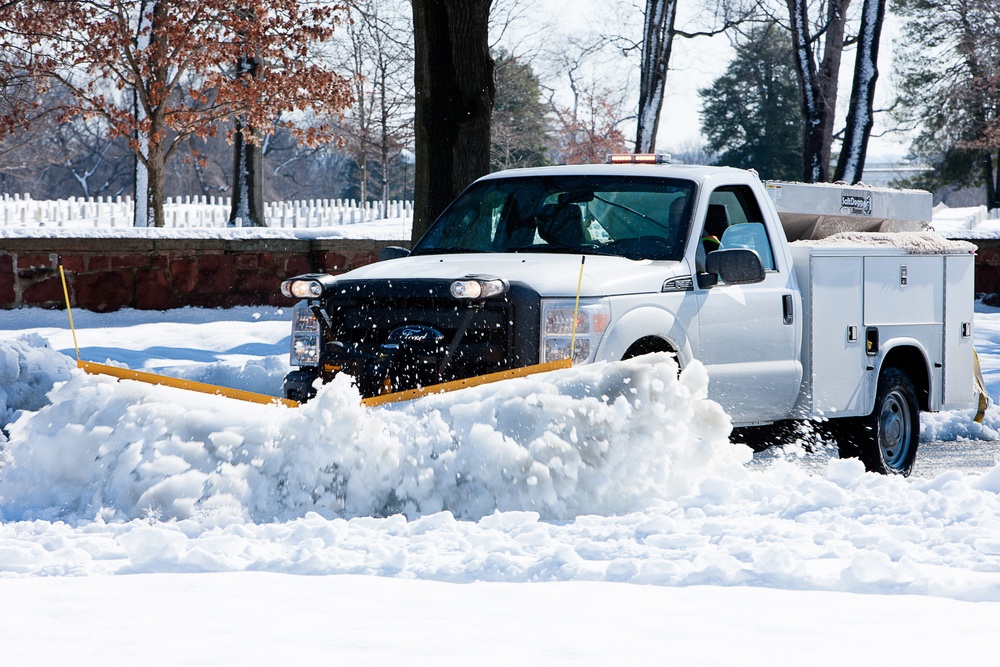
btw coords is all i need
(155, 274)
(988, 269)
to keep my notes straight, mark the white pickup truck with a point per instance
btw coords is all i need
(861, 331)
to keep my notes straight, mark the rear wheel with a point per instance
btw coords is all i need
(886, 440)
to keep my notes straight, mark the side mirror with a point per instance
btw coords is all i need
(735, 266)
(392, 252)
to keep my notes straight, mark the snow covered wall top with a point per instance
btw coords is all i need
(818, 210)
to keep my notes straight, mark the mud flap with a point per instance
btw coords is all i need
(980, 386)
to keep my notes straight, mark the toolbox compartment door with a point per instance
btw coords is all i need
(837, 341)
(959, 391)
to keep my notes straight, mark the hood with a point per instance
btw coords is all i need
(550, 275)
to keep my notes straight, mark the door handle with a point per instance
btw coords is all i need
(787, 305)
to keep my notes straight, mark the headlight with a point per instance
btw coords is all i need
(309, 286)
(306, 339)
(472, 287)
(592, 320)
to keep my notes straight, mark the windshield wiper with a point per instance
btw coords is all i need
(633, 212)
(589, 249)
(444, 251)
(540, 247)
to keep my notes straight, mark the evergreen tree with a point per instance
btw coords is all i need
(517, 135)
(949, 72)
(751, 114)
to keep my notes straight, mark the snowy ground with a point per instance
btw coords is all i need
(597, 516)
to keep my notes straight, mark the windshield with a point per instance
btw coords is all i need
(628, 216)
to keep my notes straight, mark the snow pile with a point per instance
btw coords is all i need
(261, 376)
(783, 528)
(604, 438)
(28, 370)
(973, 222)
(616, 473)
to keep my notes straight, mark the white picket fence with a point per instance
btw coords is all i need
(23, 211)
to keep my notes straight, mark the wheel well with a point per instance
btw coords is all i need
(648, 345)
(911, 361)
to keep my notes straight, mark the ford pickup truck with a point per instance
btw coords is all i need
(860, 323)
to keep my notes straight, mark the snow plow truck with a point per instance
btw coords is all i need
(821, 302)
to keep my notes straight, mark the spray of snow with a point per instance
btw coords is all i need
(604, 438)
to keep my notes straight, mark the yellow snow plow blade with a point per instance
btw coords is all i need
(239, 394)
(455, 385)
(395, 397)
(177, 383)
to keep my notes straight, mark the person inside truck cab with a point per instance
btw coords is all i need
(561, 225)
(716, 223)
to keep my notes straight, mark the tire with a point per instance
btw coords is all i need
(886, 440)
(298, 385)
(759, 438)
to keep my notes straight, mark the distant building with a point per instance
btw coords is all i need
(883, 174)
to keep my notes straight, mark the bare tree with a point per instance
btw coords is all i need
(817, 80)
(61, 159)
(861, 110)
(183, 77)
(591, 130)
(378, 53)
(656, 47)
(657, 43)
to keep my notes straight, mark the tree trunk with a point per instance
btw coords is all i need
(385, 173)
(248, 165)
(657, 41)
(384, 143)
(454, 87)
(363, 177)
(996, 185)
(155, 172)
(829, 76)
(818, 85)
(992, 186)
(248, 181)
(861, 111)
(142, 214)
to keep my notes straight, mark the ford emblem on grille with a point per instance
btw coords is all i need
(416, 335)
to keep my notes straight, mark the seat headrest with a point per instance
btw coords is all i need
(717, 219)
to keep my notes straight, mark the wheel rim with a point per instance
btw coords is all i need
(895, 430)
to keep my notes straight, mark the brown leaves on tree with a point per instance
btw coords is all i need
(588, 133)
(191, 65)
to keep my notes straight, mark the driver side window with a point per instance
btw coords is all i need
(734, 220)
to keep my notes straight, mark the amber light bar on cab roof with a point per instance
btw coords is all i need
(638, 158)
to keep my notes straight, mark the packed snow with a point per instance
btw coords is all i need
(913, 243)
(596, 515)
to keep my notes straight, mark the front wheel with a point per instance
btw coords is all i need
(298, 385)
(886, 440)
